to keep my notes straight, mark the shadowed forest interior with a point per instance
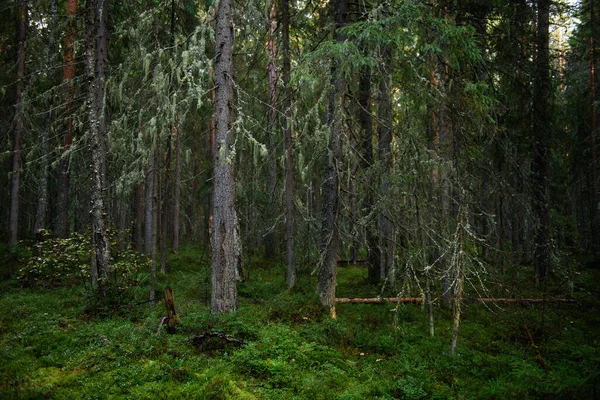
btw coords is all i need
(299, 199)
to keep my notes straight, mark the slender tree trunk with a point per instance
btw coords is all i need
(164, 214)
(595, 220)
(541, 129)
(366, 126)
(272, 95)
(138, 232)
(154, 220)
(13, 224)
(95, 61)
(329, 220)
(42, 203)
(61, 224)
(384, 116)
(226, 243)
(287, 143)
(177, 188)
(149, 200)
(457, 264)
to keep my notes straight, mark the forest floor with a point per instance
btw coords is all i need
(52, 345)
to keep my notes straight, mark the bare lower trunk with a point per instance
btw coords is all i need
(42, 203)
(327, 273)
(287, 143)
(95, 62)
(61, 224)
(154, 223)
(177, 188)
(148, 220)
(164, 214)
(226, 244)
(386, 227)
(541, 207)
(13, 224)
(138, 234)
(366, 126)
(272, 95)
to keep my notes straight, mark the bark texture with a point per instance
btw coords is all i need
(226, 245)
(272, 95)
(61, 223)
(13, 223)
(287, 143)
(40, 223)
(326, 277)
(95, 58)
(541, 128)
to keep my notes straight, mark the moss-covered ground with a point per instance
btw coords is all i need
(54, 345)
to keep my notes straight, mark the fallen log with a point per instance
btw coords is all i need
(511, 300)
(419, 300)
(414, 300)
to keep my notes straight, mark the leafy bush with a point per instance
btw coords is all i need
(61, 262)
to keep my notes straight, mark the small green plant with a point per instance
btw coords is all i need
(63, 262)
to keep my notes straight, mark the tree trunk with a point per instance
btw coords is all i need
(149, 191)
(541, 128)
(595, 220)
(287, 142)
(13, 224)
(329, 219)
(384, 130)
(95, 61)
(226, 244)
(42, 203)
(154, 220)
(61, 224)
(138, 233)
(164, 213)
(366, 126)
(177, 188)
(272, 96)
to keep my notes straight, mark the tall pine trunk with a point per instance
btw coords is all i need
(226, 244)
(272, 96)
(384, 116)
(13, 224)
(95, 59)
(326, 276)
(177, 188)
(366, 126)
(61, 223)
(287, 143)
(40, 223)
(541, 129)
(595, 220)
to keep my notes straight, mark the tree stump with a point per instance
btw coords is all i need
(172, 318)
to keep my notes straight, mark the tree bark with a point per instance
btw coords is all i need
(287, 142)
(326, 276)
(138, 233)
(95, 61)
(13, 224)
(541, 129)
(226, 245)
(177, 188)
(42, 203)
(384, 130)
(366, 126)
(61, 224)
(149, 200)
(595, 220)
(272, 95)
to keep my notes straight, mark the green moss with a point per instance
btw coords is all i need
(50, 348)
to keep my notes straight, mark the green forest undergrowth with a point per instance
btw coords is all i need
(53, 345)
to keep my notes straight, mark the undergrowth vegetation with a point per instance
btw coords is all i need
(55, 344)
